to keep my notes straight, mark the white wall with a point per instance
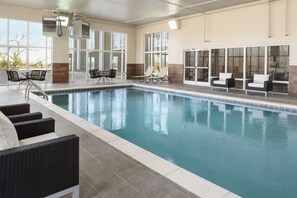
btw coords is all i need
(19, 13)
(238, 27)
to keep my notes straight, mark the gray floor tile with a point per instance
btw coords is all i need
(115, 161)
(102, 179)
(123, 192)
(85, 159)
(92, 145)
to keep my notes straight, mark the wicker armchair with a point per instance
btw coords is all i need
(224, 81)
(259, 83)
(45, 168)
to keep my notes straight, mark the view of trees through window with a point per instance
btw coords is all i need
(23, 47)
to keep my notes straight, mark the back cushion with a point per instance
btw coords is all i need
(8, 134)
(259, 78)
(224, 76)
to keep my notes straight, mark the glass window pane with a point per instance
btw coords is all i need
(278, 62)
(3, 58)
(35, 35)
(147, 44)
(37, 58)
(165, 37)
(156, 41)
(117, 41)
(217, 61)
(156, 61)
(91, 40)
(117, 62)
(235, 62)
(164, 59)
(3, 31)
(107, 40)
(124, 42)
(49, 59)
(72, 59)
(17, 32)
(255, 57)
(203, 59)
(106, 61)
(147, 61)
(94, 60)
(190, 59)
(71, 45)
(17, 58)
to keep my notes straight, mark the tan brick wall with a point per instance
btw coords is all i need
(134, 69)
(292, 80)
(60, 72)
(176, 73)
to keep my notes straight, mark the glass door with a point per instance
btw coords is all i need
(202, 67)
(196, 67)
(190, 67)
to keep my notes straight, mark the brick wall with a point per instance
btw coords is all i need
(292, 80)
(134, 70)
(60, 72)
(176, 73)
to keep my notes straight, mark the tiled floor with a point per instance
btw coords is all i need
(106, 171)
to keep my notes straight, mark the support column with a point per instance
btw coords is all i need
(60, 56)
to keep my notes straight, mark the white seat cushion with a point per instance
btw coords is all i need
(8, 135)
(224, 76)
(219, 82)
(259, 78)
(39, 138)
(256, 85)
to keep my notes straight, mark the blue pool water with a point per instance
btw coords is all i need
(248, 151)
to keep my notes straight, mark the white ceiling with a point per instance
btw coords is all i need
(133, 12)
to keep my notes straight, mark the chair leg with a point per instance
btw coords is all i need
(75, 193)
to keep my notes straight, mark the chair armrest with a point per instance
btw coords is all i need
(40, 169)
(230, 82)
(25, 117)
(15, 109)
(268, 85)
(247, 82)
(213, 79)
(33, 128)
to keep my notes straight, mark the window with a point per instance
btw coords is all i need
(235, 64)
(103, 51)
(217, 61)
(255, 61)
(156, 50)
(278, 66)
(23, 47)
(278, 62)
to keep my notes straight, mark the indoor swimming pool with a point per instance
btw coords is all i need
(247, 150)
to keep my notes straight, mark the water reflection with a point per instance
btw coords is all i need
(245, 150)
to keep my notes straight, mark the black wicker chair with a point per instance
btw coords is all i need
(35, 75)
(112, 73)
(47, 168)
(259, 83)
(224, 81)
